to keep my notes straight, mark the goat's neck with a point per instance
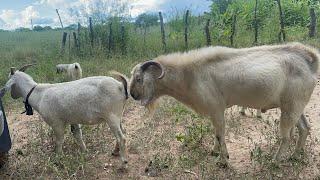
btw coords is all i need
(174, 84)
(35, 96)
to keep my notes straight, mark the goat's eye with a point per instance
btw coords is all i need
(138, 79)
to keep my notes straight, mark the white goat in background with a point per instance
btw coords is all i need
(73, 71)
(242, 111)
(211, 79)
(91, 100)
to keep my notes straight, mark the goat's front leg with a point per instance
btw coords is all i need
(219, 126)
(77, 134)
(242, 111)
(59, 134)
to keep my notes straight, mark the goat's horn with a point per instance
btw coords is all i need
(12, 70)
(146, 64)
(23, 68)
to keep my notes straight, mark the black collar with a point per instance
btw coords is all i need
(27, 106)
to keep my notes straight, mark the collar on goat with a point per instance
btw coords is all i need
(28, 107)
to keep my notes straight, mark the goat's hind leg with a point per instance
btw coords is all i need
(114, 124)
(288, 121)
(303, 128)
(77, 134)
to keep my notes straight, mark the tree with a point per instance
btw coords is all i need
(38, 28)
(147, 20)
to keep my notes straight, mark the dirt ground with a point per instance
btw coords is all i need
(154, 151)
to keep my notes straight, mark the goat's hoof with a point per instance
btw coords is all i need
(115, 153)
(215, 153)
(222, 164)
(242, 113)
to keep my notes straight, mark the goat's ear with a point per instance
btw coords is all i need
(12, 70)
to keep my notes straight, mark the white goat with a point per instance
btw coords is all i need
(73, 71)
(91, 100)
(211, 79)
(242, 111)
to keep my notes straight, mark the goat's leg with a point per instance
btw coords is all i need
(219, 125)
(77, 134)
(114, 124)
(259, 113)
(288, 121)
(242, 111)
(116, 151)
(303, 128)
(59, 134)
(216, 146)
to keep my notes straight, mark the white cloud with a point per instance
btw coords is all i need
(53, 3)
(13, 19)
(142, 6)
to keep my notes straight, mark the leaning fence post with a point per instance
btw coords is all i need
(63, 45)
(207, 32)
(163, 33)
(186, 24)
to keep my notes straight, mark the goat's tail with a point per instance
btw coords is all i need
(77, 71)
(122, 78)
(314, 64)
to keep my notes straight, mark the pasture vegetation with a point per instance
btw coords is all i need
(175, 142)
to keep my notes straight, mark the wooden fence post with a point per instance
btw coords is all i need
(110, 41)
(163, 33)
(186, 26)
(91, 31)
(255, 24)
(313, 22)
(75, 40)
(63, 45)
(207, 32)
(233, 28)
(123, 40)
(282, 32)
(78, 39)
(59, 18)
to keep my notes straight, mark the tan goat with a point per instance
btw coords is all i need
(211, 79)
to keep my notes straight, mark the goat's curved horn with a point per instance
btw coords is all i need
(12, 70)
(146, 64)
(23, 68)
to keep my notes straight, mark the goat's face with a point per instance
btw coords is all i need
(12, 86)
(13, 82)
(143, 81)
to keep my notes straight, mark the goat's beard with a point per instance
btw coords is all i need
(151, 106)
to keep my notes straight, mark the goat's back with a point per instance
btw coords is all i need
(85, 101)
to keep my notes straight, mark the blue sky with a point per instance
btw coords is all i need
(18, 13)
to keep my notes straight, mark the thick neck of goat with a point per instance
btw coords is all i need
(179, 83)
(25, 83)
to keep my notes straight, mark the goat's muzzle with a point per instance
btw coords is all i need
(134, 96)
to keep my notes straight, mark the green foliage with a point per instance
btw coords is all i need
(146, 20)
